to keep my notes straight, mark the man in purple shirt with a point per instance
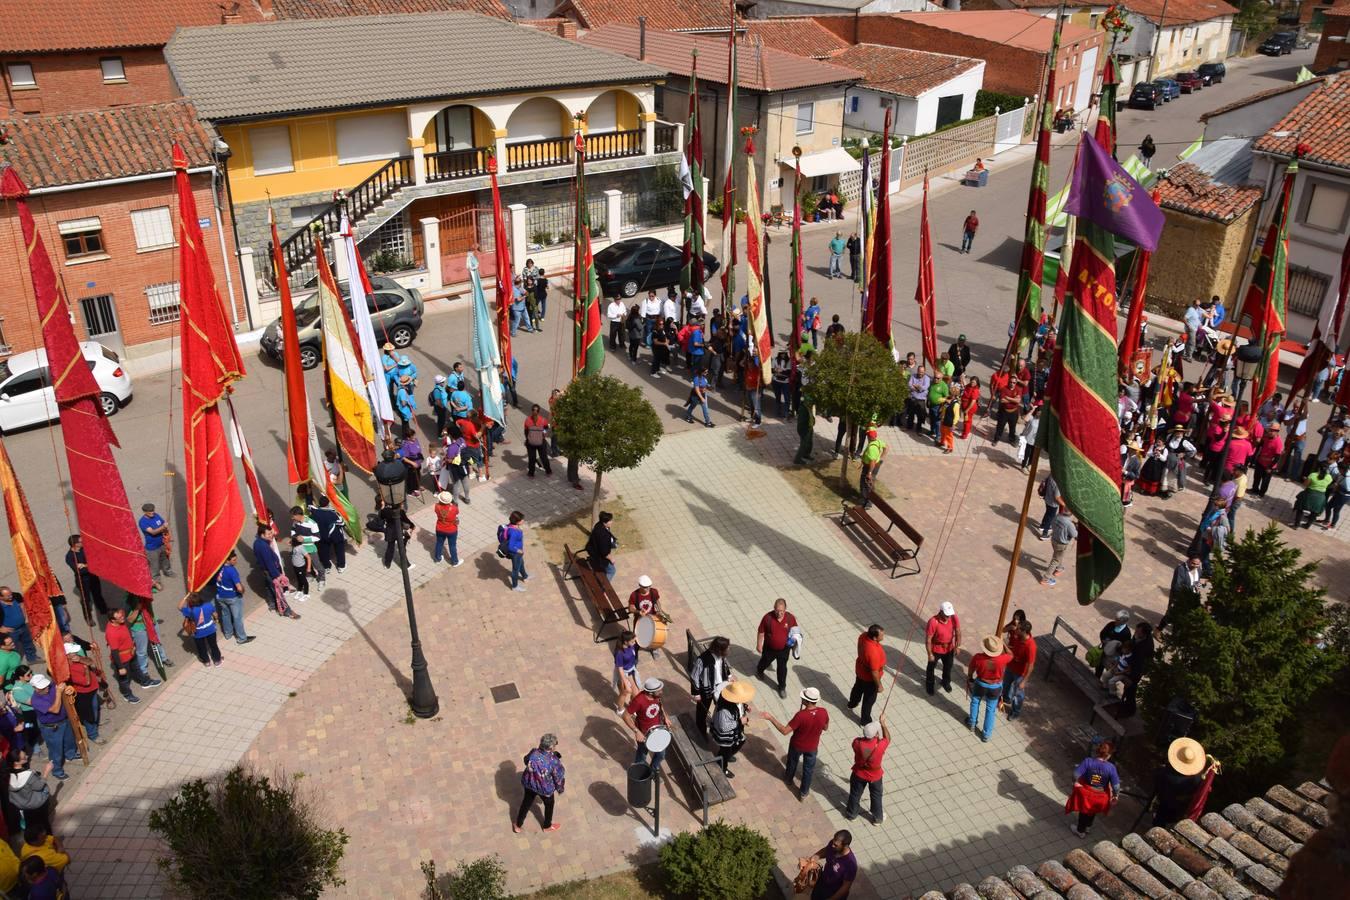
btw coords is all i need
(55, 725)
(839, 868)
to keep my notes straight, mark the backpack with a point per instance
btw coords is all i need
(503, 549)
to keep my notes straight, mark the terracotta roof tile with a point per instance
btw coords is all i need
(905, 73)
(79, 147)
(334, 9)
(30, 26)
(1187, 189)
(1014, 27)
(1321, 121)
(670, 15)
(802, 36)
(1181, 12)
(759, 70)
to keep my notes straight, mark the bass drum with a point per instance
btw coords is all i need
(650, 632)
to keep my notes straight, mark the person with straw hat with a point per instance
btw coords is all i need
(867, 773)
(1096, 788)
(1175, 784)
(806, 727)
(984, 684)
(729, 719)
(447, 528)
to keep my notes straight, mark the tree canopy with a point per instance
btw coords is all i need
(604, 423)
(855, 376)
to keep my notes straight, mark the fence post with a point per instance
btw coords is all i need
(250, 282)
(419, 160)
(520, 223)
(704, 224)
(340, 258)
(503, 162)
(648, 121)
(613, 214)
(431, 252)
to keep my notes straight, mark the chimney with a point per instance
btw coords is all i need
(229, 15)
(265, 7)
(568, 29)
(954, 5)
(642, 37)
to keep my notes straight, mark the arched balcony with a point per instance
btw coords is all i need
(458, 141)
(539, 134)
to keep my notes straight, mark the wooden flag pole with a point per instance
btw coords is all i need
(1017, 541)
(76, 726)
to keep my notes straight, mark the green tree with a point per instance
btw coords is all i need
(856, 377)
(1254, 18)
(1247, 658)
(604, 423)
(721, 862)
(482, 879)
(242, 834)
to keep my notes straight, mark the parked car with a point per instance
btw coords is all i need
(1171, 90)
(641, 264)
(1281, 43)
(395, 310)
(26, 395)
(1189, 82)
(1146, 95)
(1213, 71)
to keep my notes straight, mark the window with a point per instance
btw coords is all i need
(112, 68)
(1307, 290)
(806, 118)
(163, 302)
(1324, 206)
(33, 380)
(21, 75)
(271, 148)
(368, 138)
(853, 103)
(303, 215)
(153, 228)
(82, 237)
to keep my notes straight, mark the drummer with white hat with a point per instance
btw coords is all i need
(645, 601)
(645, 715)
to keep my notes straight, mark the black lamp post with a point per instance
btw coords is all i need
(1247, 358)
(391, 483)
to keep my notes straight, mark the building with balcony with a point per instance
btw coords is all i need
(395, 118)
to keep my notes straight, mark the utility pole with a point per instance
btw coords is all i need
(1157, 41)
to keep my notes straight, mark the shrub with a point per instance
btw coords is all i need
(482, 879)
(242, 834)
(606, 424)
(721, 862)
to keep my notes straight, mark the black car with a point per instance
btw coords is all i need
(1213, 71)
(626, 267)
(1147, 95)
(1281, 43)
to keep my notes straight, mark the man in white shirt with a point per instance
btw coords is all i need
(651, 314)
(697, 306)
(669, 308)
(615, 313)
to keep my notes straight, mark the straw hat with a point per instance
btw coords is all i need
(993, 645)
(738, 692)
(1240, 432)
(1134, 444)
(1224, 347)
(1186, 756)
(445, 497)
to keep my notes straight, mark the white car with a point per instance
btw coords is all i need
(26, 394)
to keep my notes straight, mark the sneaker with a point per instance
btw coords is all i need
(168, 663)
(152, 683)
(520, 588)
(1049, 582)
(729, 773)
(132, 699)
(60, 776)
(248, 639)
(707, 425)
(554, 827)
(206, 665)
(877, 820)
(341, 569)
(217, 663)
(1042, 536)
(456, 565)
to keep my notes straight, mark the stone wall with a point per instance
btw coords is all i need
(1198, 258)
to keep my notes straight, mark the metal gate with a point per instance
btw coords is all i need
(463, 230)
(100, 321)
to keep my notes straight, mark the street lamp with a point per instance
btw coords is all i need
(1246, 360)
(391, 475)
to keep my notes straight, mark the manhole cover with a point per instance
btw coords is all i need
(504, 692)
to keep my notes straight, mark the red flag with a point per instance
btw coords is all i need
(210, 363)
(877, 315)
(926, 290)
(504, 279)
(1265, 300)
(1129, 341)
(36, 582)
(297, 414)
(112, 540)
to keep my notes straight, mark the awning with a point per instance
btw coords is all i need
(834, 161)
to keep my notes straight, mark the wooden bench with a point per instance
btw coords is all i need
(599, 592)
(882, 538)
(702, 767)
(1078, 671)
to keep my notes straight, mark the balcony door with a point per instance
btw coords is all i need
(454, 129)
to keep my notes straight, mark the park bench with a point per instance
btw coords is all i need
(689, 751)
(882, 538)
(1080, 674)
(599, 593)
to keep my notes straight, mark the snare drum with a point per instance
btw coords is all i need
(650, 632)
(658, 739)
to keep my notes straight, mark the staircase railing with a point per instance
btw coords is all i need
(298, 249)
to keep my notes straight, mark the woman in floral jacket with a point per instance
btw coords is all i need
(543, 777)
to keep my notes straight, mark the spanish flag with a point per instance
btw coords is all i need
(346, 379)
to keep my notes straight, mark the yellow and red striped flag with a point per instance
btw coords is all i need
(352, 417)
(760, 339)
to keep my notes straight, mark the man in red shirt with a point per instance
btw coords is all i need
(85, 678)
(645, 601)
(642, 715)
(772, 642)
(984, 684)
(868, 670)
(867, 753)
(1018, 673)
(806, 728)
(943, 640)
(1009, 408)
(122, 656)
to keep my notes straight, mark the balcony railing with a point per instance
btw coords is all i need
(451, 164)
(665, 137)
(539, 154)
(299, 248)
(615, 144)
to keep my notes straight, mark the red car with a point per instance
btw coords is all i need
(1190, 82)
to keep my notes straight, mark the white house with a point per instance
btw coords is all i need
(924, 91)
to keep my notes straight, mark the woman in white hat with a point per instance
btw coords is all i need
(729, 719)
(447, 528)
(1175, 784)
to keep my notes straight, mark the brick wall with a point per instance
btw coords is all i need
(74, 81)
(1008, 69)
(1200, 258)
(124, 273)
(1333, 54)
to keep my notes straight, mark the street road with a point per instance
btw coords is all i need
(975, 297)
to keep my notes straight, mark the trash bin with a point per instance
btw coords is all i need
(640, 785)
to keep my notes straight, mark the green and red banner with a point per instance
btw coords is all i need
(1265, 301)
(729, 173)
(797, 275)
(1030, 279)
(1106, 108)
(588, 351)
(691, 269)
(1129, 341)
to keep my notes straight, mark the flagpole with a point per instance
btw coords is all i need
(1017, 541)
